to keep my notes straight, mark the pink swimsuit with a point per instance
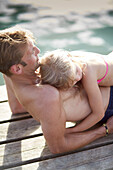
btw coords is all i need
(98, 81)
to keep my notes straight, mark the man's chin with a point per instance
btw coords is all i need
(37, 70)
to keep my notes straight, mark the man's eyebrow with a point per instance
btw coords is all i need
(23, 63)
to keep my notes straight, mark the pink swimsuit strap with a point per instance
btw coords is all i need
(98, 81)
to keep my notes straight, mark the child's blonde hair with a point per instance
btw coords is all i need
(57, 69)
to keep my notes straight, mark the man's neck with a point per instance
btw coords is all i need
(25, 79)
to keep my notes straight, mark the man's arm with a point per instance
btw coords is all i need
(84, 138)
(53, 125)
(14, 104)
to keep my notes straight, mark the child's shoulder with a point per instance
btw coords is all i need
(84, 54)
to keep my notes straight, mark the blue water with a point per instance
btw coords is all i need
(88, 32)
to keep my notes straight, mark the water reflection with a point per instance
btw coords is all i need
(88, 32)
(10, 16)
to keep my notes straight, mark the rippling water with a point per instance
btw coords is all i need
(88, 32)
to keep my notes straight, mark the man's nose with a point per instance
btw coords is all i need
(38, 50)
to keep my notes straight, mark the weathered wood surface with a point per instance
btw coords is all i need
(5, 112)
(3, 93)
(7, 116)
(36, 150)
(93, 159)
(22, 147)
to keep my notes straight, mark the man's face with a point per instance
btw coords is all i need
(31, 57)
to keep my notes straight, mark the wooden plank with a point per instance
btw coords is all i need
(7, 116)
(22, 150)
(3, 93)
(5, 112)
(98, 158)
(28, 148)
(18, 129)
(36, 148)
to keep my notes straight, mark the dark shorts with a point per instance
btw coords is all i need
(109, 111)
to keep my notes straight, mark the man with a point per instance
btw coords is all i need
(19, 61)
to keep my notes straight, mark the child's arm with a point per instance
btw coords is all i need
(89, 81)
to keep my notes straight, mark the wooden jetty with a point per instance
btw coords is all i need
(23, 147)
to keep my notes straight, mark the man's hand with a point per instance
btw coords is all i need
(110, 124)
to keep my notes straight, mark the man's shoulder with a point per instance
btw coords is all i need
(47, 100)
(48, 92)
(40, 97)
(39, 93)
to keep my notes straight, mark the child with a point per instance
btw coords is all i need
(63, 69)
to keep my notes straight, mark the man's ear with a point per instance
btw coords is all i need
(16, 69)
